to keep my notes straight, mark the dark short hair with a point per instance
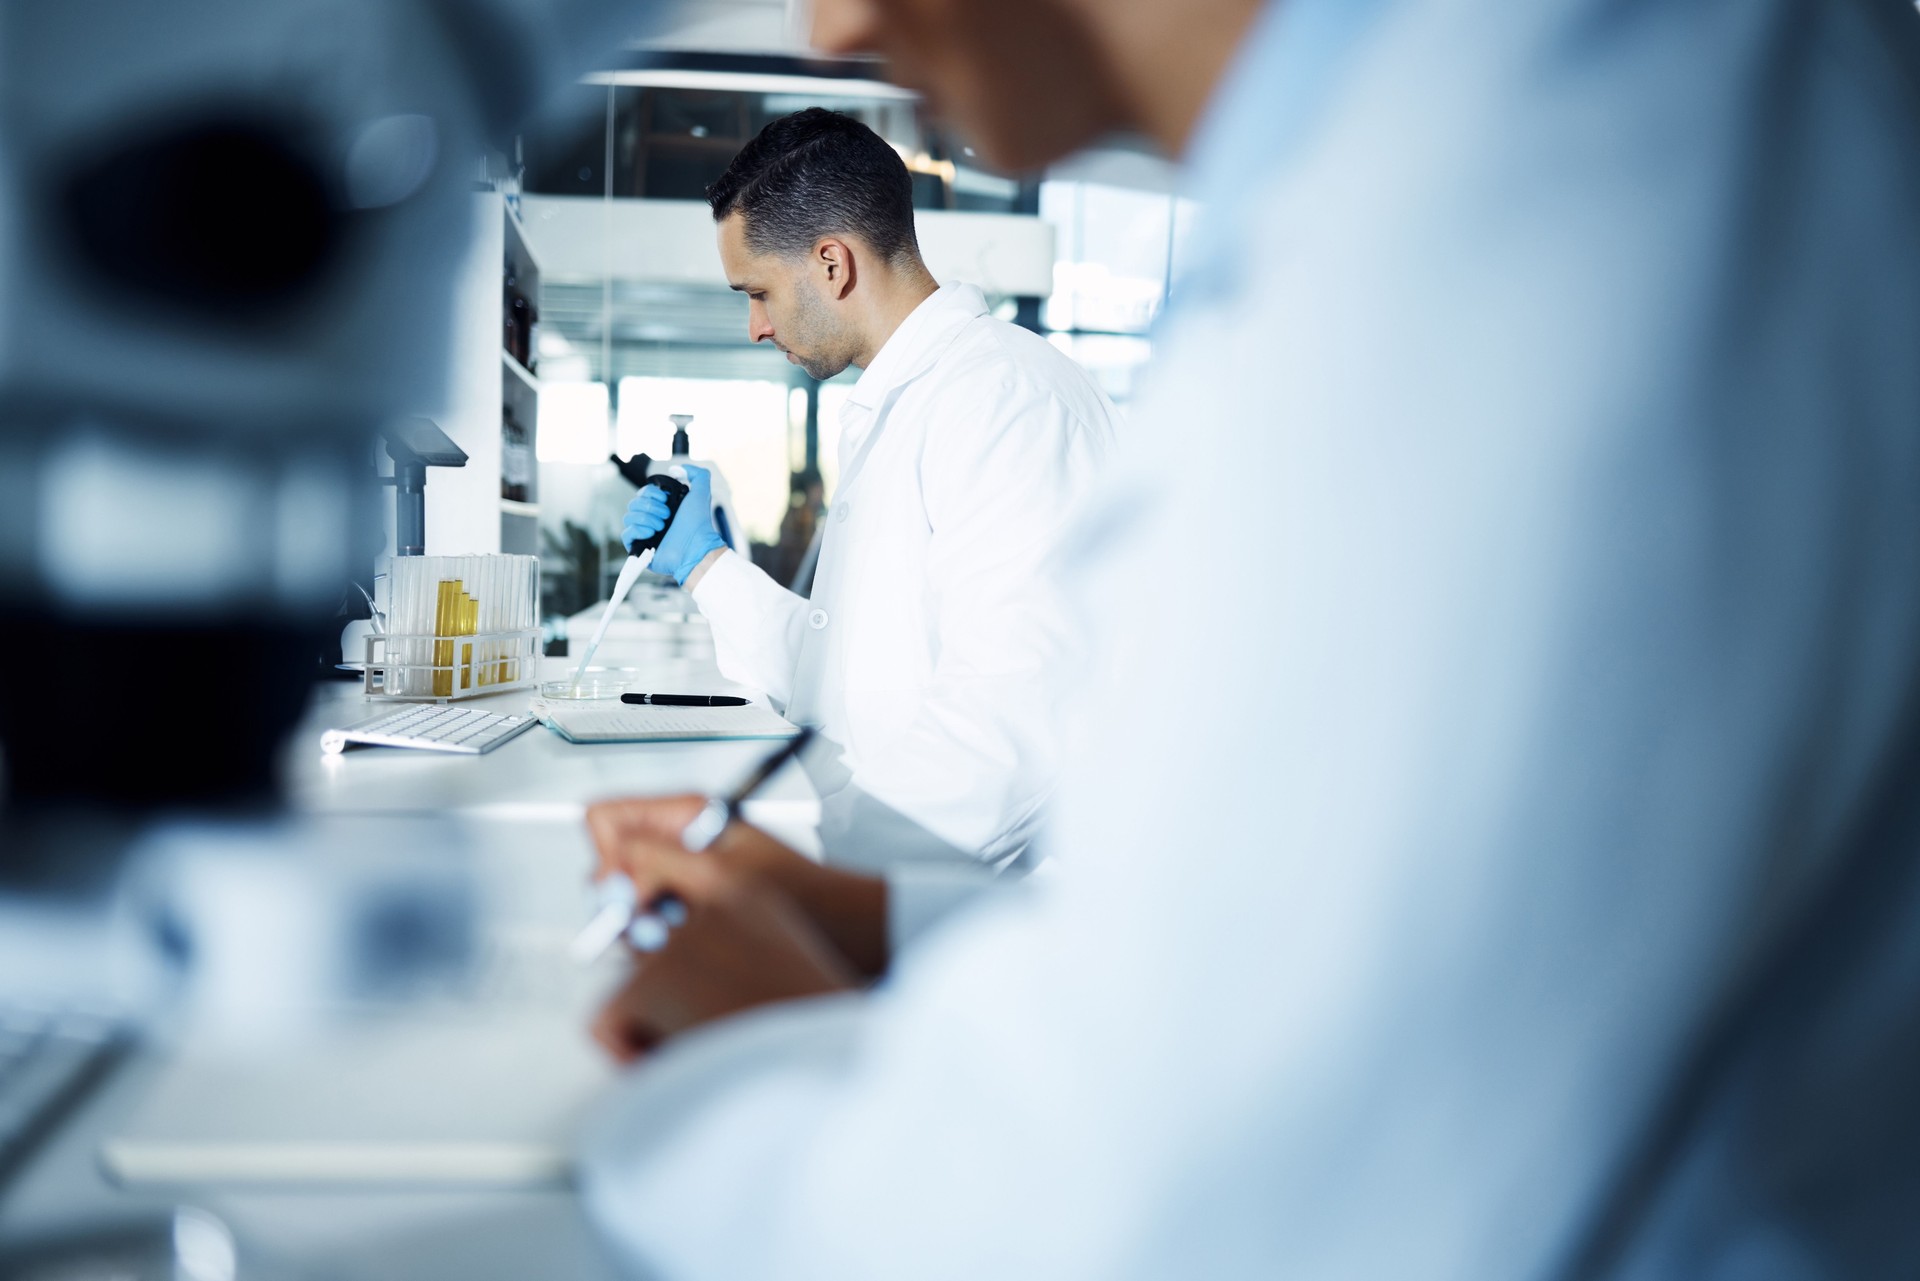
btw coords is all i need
(818, 173)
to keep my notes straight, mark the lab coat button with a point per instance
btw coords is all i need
(817, 619)
(841, 511)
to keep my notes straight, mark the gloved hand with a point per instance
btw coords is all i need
(689, 538)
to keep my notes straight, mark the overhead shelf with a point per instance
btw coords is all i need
(519, 371)
(515, 222)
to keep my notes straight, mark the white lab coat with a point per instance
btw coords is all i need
(929, 652)
(1561, 357)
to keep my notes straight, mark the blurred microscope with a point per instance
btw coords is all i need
(228, 232)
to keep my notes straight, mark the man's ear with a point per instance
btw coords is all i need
(834, 261)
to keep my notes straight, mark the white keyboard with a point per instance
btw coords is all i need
(432, 727)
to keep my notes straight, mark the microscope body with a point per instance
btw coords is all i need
(229, 233)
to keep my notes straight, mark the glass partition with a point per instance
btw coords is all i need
(618, 356)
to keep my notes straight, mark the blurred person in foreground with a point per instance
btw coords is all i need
(1525, 882)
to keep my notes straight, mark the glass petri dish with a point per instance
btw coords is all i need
(589, 687)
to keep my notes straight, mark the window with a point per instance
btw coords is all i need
(1116, 257)
(573, 423)
(1110, 275)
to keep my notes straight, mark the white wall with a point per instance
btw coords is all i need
(463, 503)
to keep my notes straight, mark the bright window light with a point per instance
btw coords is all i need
(1116, 250)
(1116, 361)
(573, 423)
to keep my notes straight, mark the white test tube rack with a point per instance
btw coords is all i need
(485, 663)
(456, 660)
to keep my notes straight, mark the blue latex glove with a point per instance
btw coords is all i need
(689, 538)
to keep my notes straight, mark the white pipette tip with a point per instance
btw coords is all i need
(629, 575)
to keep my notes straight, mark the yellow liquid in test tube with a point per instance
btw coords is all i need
(469, 624)
(455, 614)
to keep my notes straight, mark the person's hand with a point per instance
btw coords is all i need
(639, 821)
(742, 945)
(631, 837)
(689, 538)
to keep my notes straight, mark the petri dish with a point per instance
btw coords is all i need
(589, 687)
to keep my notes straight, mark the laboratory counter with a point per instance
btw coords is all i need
(538, 774)
(520, 808)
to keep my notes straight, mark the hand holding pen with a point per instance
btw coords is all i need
(743, 944)
(647, 930)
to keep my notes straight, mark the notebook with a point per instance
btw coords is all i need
(612, 722)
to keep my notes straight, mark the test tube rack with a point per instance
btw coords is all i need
(481, 663)
(440, 654)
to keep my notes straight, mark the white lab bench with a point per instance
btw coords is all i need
(538, 775)
(524, 802)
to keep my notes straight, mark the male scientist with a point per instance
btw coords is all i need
(1518, 875)
(929, 652)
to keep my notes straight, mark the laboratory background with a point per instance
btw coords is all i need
(1089, 640)
(630, 322)
(337, 428)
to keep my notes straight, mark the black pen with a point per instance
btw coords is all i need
(685, 700)
(647, 930)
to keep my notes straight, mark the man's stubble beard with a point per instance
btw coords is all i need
(815, 328)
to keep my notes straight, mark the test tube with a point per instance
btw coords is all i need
(476, 585)
(479, 620)
(491, 608)
(400, 649)
(413, 683)
(525, 610)
(411, 656)
(508, 569)
(420, 651)
(483, 582)
(503, 617)
(509, 615)
(440, 689)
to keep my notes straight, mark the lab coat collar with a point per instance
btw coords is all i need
(917, 343)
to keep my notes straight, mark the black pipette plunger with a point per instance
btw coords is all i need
(676, 492)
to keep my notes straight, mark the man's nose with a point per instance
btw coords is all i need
(759, 325)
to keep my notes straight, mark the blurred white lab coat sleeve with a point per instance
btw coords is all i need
(922, 895)
(1582, 648)
(810, 1043)
(757, 625)
(980, 756)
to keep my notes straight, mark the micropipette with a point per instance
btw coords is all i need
(640, 555)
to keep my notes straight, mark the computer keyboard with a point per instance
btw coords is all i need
(47, 1060)
(432, 727)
